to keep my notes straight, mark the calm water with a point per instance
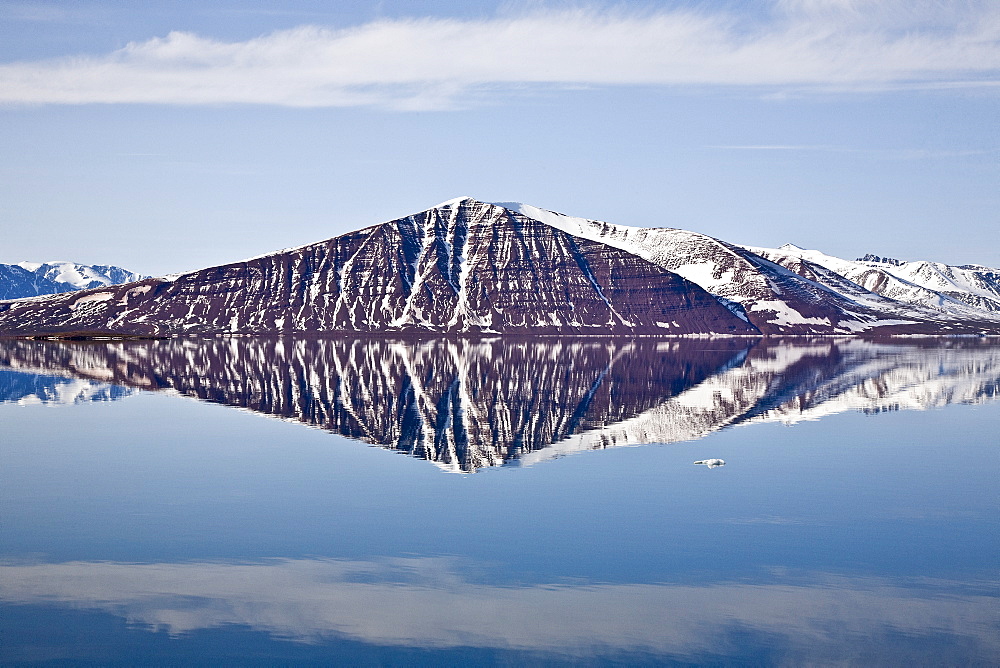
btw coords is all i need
(494, 517)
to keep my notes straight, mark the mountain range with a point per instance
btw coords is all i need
(474, 267)
(31, 279)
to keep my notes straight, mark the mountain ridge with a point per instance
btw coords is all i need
(33, 279)
(468, 267)
(776, 295)
(963, 290)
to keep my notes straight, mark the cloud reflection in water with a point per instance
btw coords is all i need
(427, 602)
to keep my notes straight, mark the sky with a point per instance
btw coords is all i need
(169, 136)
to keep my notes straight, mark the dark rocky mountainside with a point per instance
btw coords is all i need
(464, 266)
(473, 267)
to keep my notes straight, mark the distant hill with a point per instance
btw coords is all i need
(32, 279)
(962, 291)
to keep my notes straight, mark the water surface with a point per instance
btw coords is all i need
(145, 521)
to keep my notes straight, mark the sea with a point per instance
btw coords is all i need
(411, 501)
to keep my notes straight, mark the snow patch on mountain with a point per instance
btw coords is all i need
(775, 298)
(931, 289)
(975, 285)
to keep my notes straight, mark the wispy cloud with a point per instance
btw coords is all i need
(429, 63)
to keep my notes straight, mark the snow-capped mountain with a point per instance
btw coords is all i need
(463, 266)
(31, 279)
(467, 266)
(962, 292)
(467, 403)
(973, 284)
(774, 289)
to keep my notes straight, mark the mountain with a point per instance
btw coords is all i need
(467, 266)
(973, 284)
(777, 296)
(463, 266)
(467, 403)
(960, 292)
(31, 279)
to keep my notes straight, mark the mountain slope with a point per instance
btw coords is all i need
(463, 266)
(473, 267)
(936, 290)
(776, 296)
(975, 285)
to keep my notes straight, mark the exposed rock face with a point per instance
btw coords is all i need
(31, 279)
(472, 267)
(466, 404)
(871, 257)
(464, 266)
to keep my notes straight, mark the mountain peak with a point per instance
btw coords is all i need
(455, 201)
(513, 206)
(509, 267)
(870, 257)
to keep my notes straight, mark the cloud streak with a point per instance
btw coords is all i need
(432, 63)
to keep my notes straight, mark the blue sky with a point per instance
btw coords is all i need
(179, 135)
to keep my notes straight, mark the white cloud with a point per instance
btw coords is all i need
(435, 62)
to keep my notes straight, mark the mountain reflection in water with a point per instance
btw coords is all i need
(471, 403)
(25, 388)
